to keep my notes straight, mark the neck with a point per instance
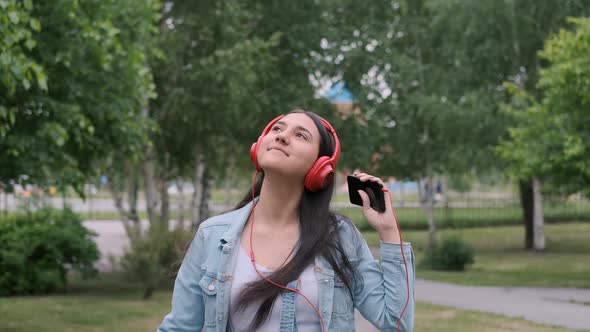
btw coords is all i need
(279, 200)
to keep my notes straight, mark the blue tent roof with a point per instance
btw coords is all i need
(338, 93)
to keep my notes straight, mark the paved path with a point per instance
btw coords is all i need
(551, 306)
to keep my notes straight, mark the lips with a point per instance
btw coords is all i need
(279, 149)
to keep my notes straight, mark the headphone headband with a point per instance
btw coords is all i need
(322, 171)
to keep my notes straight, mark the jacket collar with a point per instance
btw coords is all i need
(239, 218)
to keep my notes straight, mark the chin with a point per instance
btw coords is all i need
(281, 169)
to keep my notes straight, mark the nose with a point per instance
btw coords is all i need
(281, 138)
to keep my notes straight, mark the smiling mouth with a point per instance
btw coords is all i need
(285, 153)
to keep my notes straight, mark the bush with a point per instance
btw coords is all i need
(154, 257)
(451, 255)
(38, 249)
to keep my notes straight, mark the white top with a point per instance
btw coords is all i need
(244, 273)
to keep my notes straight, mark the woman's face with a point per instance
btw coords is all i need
(291, 146)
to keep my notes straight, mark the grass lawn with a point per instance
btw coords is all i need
(435, 318)
(501, 261)
(109, 304)
(95, 310)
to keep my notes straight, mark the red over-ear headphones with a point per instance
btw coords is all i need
(322, 171)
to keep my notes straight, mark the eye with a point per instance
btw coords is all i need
(301, 135)
(276, 128)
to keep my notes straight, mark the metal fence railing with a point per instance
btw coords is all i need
(452, 211)
(466, 211)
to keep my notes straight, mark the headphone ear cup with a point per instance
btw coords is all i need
(320, 174)
(254, 156)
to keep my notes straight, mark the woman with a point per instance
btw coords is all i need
(282, 236)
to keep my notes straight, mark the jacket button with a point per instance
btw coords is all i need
(211, 287)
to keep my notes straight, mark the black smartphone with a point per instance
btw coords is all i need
(373, 189)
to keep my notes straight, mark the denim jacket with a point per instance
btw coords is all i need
(201, 291)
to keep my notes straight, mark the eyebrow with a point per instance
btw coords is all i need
(296, 127)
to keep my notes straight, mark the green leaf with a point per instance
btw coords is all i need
(14, 17)
(30, 44)
(28, 4)
(42, 81)
(11, 116)
(35, 24)
(26, 84)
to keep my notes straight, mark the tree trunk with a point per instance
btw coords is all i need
(206, 182)
(227, 186)
(197, 197)
(147, 292)
(526, 202)
(538, 222)
(118, 187)
(444, 192)
(445, 199)
(180, 220)
(427, 203)
(151, 188)
(132, 192)
(164, 204)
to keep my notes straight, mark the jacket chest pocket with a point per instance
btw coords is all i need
(342, 304)
(209, 287)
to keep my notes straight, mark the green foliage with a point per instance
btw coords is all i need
(72, 77)
(229, 67)
(154, 257)
(451, 255)
(461, 182)
(38, 249)
(17, 69)
(550, 136)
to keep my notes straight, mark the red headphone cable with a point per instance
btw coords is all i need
(252, 259)
(403, 257)
(265, 278)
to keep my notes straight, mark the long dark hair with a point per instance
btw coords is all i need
(318, 237)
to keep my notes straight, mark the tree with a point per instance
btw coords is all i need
(566, 86)
(485, 53)
(72, 76)
(209, 85)
(550, 139)
(429, 77)
(417, 124)
(225, 67)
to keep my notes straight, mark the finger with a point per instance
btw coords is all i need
(360, 175)
(371, 178)
(364, 176)
(365, 199)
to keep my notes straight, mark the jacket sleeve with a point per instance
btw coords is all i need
(382, 294)
(187, 312)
